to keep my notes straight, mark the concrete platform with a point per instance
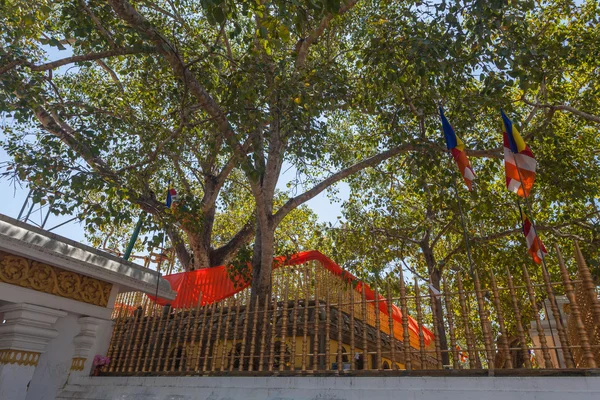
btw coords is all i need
(332, 388)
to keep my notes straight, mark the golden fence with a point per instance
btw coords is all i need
(315, 322)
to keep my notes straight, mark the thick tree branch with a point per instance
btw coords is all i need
(562, 107)
(497, 152)
(441, 233)
(90, 57)
(539, 228)
(67, 135)
(130, 15)
(52, 124)
(10, 65)
(314, 35)
(338, 176)
(183, 255)
(103, 31)
(224, 254)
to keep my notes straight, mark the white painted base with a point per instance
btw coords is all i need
(14, 381)
(346, 388)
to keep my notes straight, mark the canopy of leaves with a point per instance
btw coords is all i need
(321, 86)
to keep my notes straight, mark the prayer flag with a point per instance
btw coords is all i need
(171, 197)
(457, 147)
(535, 247)
(519, 161)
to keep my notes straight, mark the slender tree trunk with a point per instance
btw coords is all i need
(436, 274)
(435, 281)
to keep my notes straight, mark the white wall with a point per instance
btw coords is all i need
(100, 346)
(54, 367)
(327, 388)
(14, 380)
(55, 363)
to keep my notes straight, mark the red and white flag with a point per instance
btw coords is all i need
(535, 247)
(519, 161)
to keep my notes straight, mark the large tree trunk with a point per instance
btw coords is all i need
(262, 267)
(262, 261)
(436, 274)
(203, 255)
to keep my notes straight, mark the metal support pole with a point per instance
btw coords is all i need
(134, 237)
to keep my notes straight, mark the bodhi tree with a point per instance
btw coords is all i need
(284, 71)
(191, 92)
(180, 92)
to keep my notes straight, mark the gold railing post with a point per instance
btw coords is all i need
(406, 345)
(284, 321)
(471, 350)
(516, 310)
(134, 321)
(215, 352)
(327, 329)
(436, 328)
(588, 285)
(151, 334)
(183, 312)
(504, 345)
(377, 329)
(141, 323)
(171, 336)
(234, 343)
(305, 349)
(538, 322)
(391, 325)
(316, 317)
(160, 336)
(420, 323)
(195, 326)
(149, 309)
(209, 335)
(228, 318)
(295, 325)
(340, 327)
(584, 335)
(273, 321)
(245, 330)
(263, 341)
(562, 334)
(125, 332)
(450, 312)
(485, 325)
(365, 325)
(352, 329)
(253, 337)
(201, 339)
(117, 333)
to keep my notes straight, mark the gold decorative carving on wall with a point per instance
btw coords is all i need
(19, 357)
(21, 271)
(77, 364)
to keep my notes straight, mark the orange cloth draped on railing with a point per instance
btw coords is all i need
(216, 284)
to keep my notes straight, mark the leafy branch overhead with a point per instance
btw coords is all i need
(110, 102)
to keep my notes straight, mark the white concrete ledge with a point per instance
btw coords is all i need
(332, 388)
(19, 238)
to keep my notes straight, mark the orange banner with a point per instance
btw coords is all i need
(219, 283)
